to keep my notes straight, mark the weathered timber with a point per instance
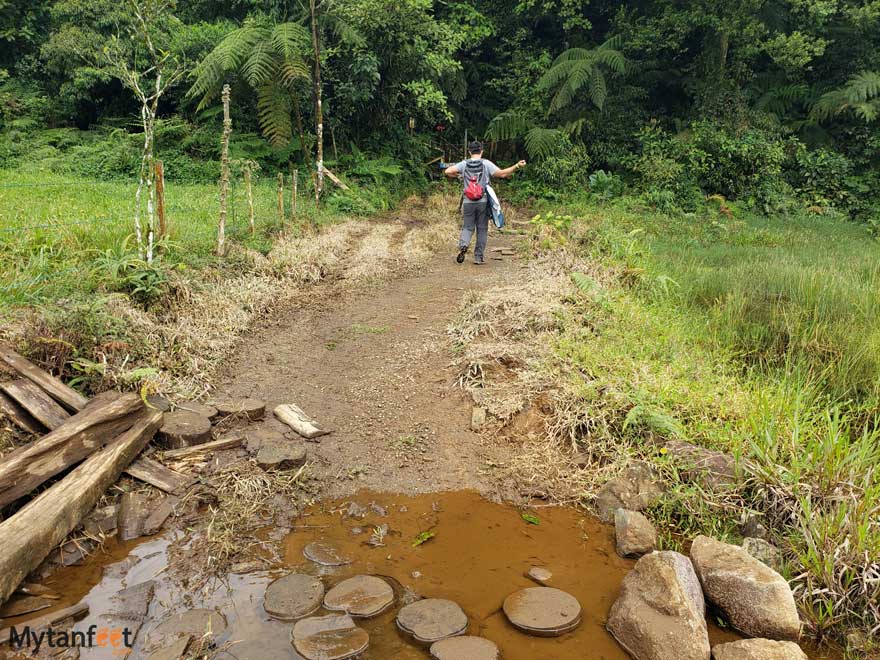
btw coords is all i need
(185, 429)
(223, 443)
(29, 536)
(65, 395)
(296, 419)
(27, 467)
(156, 474)
(39, 404)
(134, 509)
(160, 514)
(335, 179)
(72, 612)
(18, 415)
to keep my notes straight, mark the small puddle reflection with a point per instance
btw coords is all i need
(479, 554)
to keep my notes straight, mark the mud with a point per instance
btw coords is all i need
(480, 553)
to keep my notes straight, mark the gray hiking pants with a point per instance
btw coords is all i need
(475, 215)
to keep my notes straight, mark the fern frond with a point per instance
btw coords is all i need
(613, 59)
(273, 112)
(542, 142)
(289, 40)
(598, 88)
(290, 72)
(858, 95)
(863, 87)
(261, 64)
(509, 125)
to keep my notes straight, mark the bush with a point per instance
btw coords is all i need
(820, 176)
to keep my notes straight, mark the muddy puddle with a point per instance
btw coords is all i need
(478, 555)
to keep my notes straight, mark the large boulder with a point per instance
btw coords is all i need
(711, 468)
(758, 649)
(752, 596)
(660, 613)
(763, 551)
(635, 490)
(635, 535)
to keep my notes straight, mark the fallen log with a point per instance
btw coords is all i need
(156, 474)
(53, 618)
(30, 535)
(25, 468)
(296, 419)
(222, 443)
(18, 415)
(39, 404)
(65, 395)
(335, 179)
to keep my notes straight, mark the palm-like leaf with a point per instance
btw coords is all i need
(273, 112)
(860, 95)
(542, 142)
(508, 125)
(578, 67)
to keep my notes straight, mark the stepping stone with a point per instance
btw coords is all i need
(252, 409)
(543, 611)
(191, 623)
(134, 602)
(324, 554)
(465, 648)
(254, 438)
(293, 596)
(174, 651)
(333, 637)
(18, 605)
(539, 574)
(199, 409)
(362, 596)
(280, 455)
(268, 647)
(184, 429)
(432, 619)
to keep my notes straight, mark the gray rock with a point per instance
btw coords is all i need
(752, 527)
(134, 509)
(361, 596)
(635, 535)
(539, 574)
(752, 596)
(635, 490)
(758, 649)
(478, 418)
(280, 454)
(660, 613)
(134, 602)
(189, 624)
(324, 554)
(709, 467)
(763, 551)
(331, 637)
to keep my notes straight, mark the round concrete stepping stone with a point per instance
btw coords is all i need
(293, 596)
(195, 623)
(252, 409)
(543, 611)
(333, 637)
(280, 454)
(539, 574)
(202, 409)
(465, 648)
(184, 429)
(432, 619)
(362, 596)
(324, 554)
(276, 648)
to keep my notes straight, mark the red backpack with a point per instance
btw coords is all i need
(473, 190)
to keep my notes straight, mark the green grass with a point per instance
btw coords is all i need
(57, 233)
(756, 336)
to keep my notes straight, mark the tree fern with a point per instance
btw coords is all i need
(860, 95)
(542, 142)
(578, 68)
(508, 125)
(273, 111)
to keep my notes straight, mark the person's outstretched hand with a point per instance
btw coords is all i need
(521, 164)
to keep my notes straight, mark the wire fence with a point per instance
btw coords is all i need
(49, 223)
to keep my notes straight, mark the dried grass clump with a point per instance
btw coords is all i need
(373, 257)
(311, 258)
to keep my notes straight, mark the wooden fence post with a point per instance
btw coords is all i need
(281, 199)
(294, 176)
(160, 198)
(224, 171)
(250, 195)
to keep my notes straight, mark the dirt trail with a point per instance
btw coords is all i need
(373, 363)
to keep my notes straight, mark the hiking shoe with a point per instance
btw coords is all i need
(479, 261)
(461, 253)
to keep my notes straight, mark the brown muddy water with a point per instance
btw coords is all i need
(478, 555)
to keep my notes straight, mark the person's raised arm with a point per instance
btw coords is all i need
(507, 171)
(452, 171)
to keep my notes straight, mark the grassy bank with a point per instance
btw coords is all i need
(759, 337)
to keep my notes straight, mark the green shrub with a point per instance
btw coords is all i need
(820, 176)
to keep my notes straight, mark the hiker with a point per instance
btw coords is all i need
(475, 174)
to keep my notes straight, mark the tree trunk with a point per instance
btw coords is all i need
(224, 173)
(30, 535)
(319, 112)
(25, 468)
(160, 198)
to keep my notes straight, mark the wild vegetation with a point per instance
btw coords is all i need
(705, 180)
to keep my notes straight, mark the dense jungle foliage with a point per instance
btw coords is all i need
(773, 103)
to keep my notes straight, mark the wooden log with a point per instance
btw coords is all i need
(18, 605)
(222, 443)
(18, 415)
(156, 474)
(28, 537)
(185, 429)
(251, 409)
(53, 618)
(134, 509)
(335, 179)
(39, 404)
(202, 409)
(160, 514)
(296, 419)
(27, 467)
(65, 395)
